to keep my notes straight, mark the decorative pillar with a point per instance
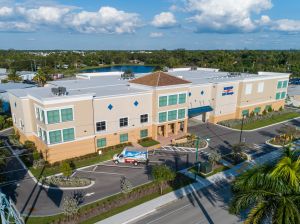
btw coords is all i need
(166, 130)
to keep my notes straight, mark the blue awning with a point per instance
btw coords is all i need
(199, 110)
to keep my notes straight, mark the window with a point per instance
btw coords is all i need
(279, 84)
(284, 85)
(248, 89)
(278, 95)
(45, 136)
(182, 98)
(163, 101)
(43, 116)
(245, 112)
(21, 124)
(162, 117)
(172, 115)
(124, 122)
(40, 132)
(67, 114)
(144, 133)
(101, 126)
(172, 100)
(55, 137)
(101, 142)
(68, 134)
(123, 138)
(257, 110)
(14, 118)
(260, 87)
(144, 118)
(53, 116)
(282, 95)
(37, 113)
(181, 113)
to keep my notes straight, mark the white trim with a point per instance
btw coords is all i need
(258, 103)
(56, 100)
(122, 95)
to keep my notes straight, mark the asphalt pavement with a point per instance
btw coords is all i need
(209, 205)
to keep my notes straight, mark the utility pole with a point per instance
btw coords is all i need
(242, 126)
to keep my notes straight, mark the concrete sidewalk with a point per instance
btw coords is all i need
(139, 211)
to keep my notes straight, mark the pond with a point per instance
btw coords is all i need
(133, 68)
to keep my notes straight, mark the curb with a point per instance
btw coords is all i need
(256, 129)
(67, 188)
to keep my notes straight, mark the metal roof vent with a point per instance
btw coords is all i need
(59, 91)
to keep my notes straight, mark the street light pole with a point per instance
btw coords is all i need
(242, 126)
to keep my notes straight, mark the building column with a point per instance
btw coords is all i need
(154, 132)
(185, 126)
(176, 127)
(166, 130)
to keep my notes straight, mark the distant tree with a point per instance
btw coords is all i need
(13, 76)
(66, 169)
(162, 174)
(40, 78)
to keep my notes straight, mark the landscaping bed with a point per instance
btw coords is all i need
(258, 121)
(115, 204)
(234, 159)
(216, 169)
(191, 142)
(148, 142)
(61, 181)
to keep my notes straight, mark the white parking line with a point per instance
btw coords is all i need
(89, 194)
(95, 168)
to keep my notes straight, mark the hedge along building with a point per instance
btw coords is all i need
(86, 115)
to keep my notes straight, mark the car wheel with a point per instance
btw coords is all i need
(135, 163)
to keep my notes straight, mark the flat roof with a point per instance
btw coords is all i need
(114, 85)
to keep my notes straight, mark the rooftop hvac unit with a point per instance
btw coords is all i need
(59, 91)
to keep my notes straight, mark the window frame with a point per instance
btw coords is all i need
(63, 139)
(102, 146)
(124, 134)
(142, 122)
(173, 103)
(166, 117)
(185, 98)
(143, 131)
(176, 115)
(123, 126)
(180, 109)
(97, 127)
(167, 100)
(61, 117)
(49, 139)
(248, 88)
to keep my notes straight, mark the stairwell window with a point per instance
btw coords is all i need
(101, 126)
(144, 118)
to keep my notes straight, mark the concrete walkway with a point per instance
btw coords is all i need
(150, 206)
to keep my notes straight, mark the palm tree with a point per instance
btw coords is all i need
(272, 192)
(40, 78)
(13, 76)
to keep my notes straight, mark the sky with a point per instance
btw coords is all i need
(149, 24)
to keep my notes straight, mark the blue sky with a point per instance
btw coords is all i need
(155, 24)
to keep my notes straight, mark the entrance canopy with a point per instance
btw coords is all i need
(199, 110)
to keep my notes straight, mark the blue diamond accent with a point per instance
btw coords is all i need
(136, 103)
(202, 92)
(110, 107)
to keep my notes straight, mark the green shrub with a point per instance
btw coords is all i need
(280, 108)
(66, 169)
(264, 112)
(270, 109)
(29, 145)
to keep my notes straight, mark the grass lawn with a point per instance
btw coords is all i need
(148, 142)
(221, 168)
(269, 121)
(51, 170)
(50, 219)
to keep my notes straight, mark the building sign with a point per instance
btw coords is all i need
(227, 91)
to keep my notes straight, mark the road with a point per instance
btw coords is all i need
(206, 206)
(35, 200)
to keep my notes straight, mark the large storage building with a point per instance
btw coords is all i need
(76, 117)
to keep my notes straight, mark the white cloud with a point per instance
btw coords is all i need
(164, 20)
(156, 35)
(105, 20)
(6, 11)
(225, 15)
(286, 25)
